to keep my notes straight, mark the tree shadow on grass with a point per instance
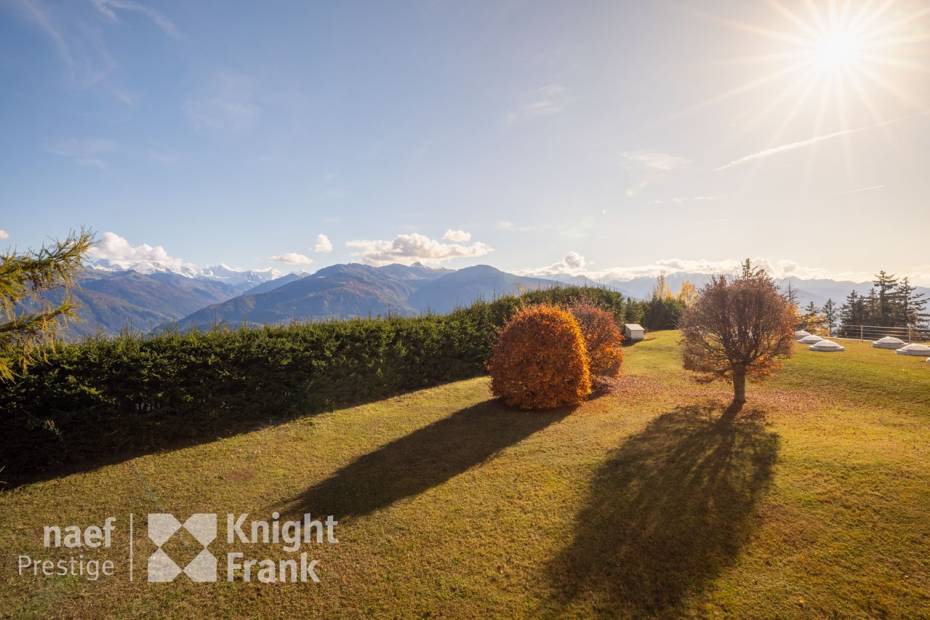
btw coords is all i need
(667, 512)
(421, 460)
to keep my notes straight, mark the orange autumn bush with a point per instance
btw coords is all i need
(540, 361)
(602, 338)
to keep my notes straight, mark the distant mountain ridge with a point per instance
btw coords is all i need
(110, 302)
(339, 291)
(355, 290)
(460, 288)
(219, 273)
(113, 301)
(807, 290)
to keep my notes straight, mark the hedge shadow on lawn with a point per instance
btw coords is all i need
(427, 457)
(669, 510)
(93, 439)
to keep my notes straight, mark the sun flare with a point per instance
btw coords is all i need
(839, 50)
(836, 67)
(850, 52)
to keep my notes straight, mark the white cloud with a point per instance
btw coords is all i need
(85, 151)
(655, 160)
(112, 251)
(647, 167)
(671, 266)
(457, 236)
(163, 157)
(226, 102)
(572, 264)
(574, 260)
(82, 48)
(4, 234)
(41, 18)
(679, 200)
(777, 268)
(410, 248)
(293, 258)
(509, 226)
(545, 101)
(323, 244)
(109, 8)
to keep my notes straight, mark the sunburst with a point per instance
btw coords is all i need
(834, 59)
(851, 48)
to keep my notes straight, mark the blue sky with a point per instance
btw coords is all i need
(587, 137)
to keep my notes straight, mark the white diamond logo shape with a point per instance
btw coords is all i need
(162, 526)
(161, 568)
(203, 527)
(202, 568)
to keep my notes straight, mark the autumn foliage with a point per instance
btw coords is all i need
(738, 329)
(602, 338)
(540, 360)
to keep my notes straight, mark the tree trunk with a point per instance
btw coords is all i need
(739, 392)
(739, 386)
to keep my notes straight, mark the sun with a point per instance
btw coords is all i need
(867, 48)
(835, 66)
(839, 50)
(834, 61)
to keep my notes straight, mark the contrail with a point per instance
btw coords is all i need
(801, 144)
(859, 190)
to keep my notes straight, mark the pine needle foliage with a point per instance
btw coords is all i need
(23, 277)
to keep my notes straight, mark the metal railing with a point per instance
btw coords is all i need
(909, 333)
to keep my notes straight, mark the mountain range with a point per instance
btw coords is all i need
(111, 300)
(354, 290)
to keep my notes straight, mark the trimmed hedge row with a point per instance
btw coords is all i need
(108, 399)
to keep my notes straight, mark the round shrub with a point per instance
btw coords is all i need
(602, 339)
(540, 361)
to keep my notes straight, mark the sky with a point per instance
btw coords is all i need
(574, 137)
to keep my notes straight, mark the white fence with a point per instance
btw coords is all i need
(874, 332)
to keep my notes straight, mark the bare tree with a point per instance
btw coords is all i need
(738, 329)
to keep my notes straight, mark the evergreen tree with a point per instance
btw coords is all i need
(830, 315)
(811, 319)
(633, 311)
(887, 297)
(661, 313)
(912, 305)
(852, 314)
(872, 314)
(23, 277)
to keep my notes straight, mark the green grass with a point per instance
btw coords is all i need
(815, 503)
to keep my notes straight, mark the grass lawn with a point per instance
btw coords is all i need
(815, 503)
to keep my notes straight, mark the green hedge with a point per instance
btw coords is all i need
(108, 399)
